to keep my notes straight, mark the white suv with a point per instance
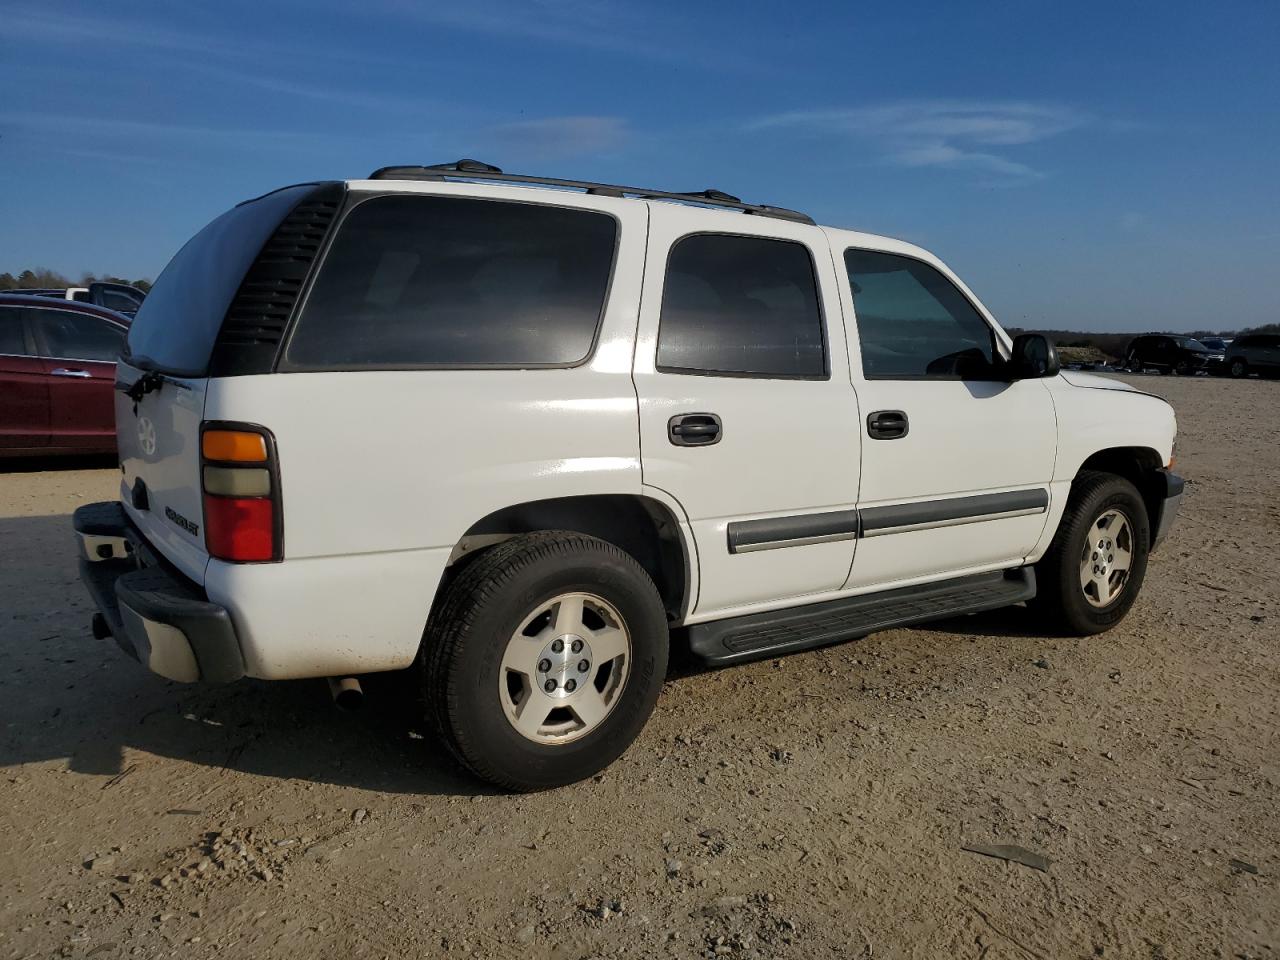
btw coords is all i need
(519, 433)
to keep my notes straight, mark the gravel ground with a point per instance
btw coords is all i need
(815, 806)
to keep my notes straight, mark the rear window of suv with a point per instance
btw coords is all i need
(427, 281)
(179, 320)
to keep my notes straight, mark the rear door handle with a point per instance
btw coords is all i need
(694, 429)
(887, 425)
(64, 372)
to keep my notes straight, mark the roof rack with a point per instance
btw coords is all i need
(476, 170)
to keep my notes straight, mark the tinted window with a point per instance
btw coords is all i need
(179, 320)
(420, 281)
(12, 340)
(913, 322)
(76, 336)
(741, 305)
(120, 302)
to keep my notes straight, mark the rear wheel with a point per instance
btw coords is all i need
(544, 659)
(1092, 572)
(1238, 368)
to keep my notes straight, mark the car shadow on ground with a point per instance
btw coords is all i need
(69, 697)
(96, 461)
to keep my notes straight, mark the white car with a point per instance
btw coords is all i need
(514, 432)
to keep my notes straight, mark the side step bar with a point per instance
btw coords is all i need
(759, 635)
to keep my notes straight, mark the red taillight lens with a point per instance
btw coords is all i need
(241, 482)
(239, 529)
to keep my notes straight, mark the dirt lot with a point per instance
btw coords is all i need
(809, 807)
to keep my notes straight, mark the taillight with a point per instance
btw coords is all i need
(241, 482)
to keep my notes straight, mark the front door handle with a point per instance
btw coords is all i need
(887, 425)
(64, 372)
(694, 429)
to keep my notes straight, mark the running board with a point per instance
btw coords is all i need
(777, 632)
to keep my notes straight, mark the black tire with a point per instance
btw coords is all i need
(1237, 368)
(1060, 602)
(468, 632)
(1181, 368)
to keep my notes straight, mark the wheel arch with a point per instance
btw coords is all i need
(643, 526)
(1139, 465)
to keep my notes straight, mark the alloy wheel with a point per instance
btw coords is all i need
(1107, 558)
(565, 668)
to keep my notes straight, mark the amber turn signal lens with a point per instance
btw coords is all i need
(234, 446)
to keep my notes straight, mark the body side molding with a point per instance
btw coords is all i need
(771, 533)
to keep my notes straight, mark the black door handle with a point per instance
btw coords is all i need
(694, 429)
(887, 425)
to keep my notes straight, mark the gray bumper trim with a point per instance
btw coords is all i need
(1170, 502)
(155, 616)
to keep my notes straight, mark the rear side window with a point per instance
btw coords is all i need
(178, 322)
(13, 341)
(65, 335)
(416, 281)
(745, 306)
(120, 302)
(914, 323)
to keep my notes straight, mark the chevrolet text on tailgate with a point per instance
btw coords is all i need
(518, 433)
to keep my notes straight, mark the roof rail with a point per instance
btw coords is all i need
(476, 170)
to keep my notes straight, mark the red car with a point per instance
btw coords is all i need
(57, 373)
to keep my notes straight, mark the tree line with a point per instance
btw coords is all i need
(43, 279)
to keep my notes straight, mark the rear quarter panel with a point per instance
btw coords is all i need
(382, 472)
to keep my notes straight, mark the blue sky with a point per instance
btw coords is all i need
(1098, 166)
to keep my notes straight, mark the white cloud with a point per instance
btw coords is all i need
(955, 134)
(551, 137)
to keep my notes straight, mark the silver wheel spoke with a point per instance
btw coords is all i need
(1122, 561)
(589, 706)
(1086, 574)
(519, 657)
(531, 714)
(608, 644)
(568, 617)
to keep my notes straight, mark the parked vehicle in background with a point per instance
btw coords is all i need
(1215, 344)
(1254, 353)
(57, 376)
(123, 298)
(513, 432)
(1169, 353)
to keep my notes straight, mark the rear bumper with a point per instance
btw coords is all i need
(1170, 500)
(159, 618)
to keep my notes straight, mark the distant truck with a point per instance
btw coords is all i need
(120, 297)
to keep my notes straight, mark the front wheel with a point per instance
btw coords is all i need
(1092, 572)
(1238, 369)
(1181, 368)
(544, 659)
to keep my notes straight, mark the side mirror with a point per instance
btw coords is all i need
(1033, 357)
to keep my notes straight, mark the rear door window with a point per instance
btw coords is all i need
(13, 339)
(179, 320)
(741, 306)
(64, 335)
(426, 281)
